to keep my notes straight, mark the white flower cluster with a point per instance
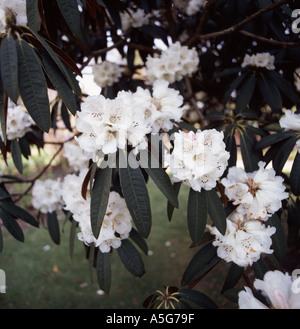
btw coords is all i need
(276, 287)
(18, 122)
(258, 195)
(198, 159)
(134, 18)
(15, 7)
(106, 73)
(117, 222)
(46, 195)
(243, 243)
(259, 60)
(76, 156)
(173, 64)
(108, 125)
(291, 121)
(194, 6)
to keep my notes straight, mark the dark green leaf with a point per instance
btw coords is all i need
(12, 225)
(71, 14)
(1, 240)
(295, 175)
(103, 271)
(53, 227)
(198, 298)
(156, 32)
(245, 93)
(59, 82)
(33, 17)
(233, 276)
(234, 85)
(159, 176)
(65, 116)
(249, 155)
(278, 238)
(201, 262)
(3, 111)
(112, 7)
(270, 93)
(196, 214)
(32, 85)
(260, 268)
(170, 207)
(283, 154)
(273, 139)
(16, 155)
(140, 242)
(131, 258)
(216, 210)
(136, 196)
(9, 67)
(99, 198)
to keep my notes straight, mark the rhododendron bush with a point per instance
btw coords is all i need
(197, 93)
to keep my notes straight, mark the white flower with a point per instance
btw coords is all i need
(76, 156)
(18, 123)
(17, 7)
(106, 73)
(257, 195)
(291, 121)
(173, 64)
(243, 244)
(276, 287)
(194, 6)
(134, 18)
(260, 60)
(198, 159)
(46, 195)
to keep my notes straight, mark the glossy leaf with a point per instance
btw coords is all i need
(99, 198)
(270, 93)
(216, 210)
(245, 93)
(233, 276)
(16, 155)
(249, 155)
(9, 67)
(71, 14)
(131, 258)
(33, 17)
(278, 238)
(295, 175)
(12, 225)
(103, 268)
(53, 227)
(283, 153)
(198, 298)
(32, 86)
(136, 196)
(139, 241)
(196, 214)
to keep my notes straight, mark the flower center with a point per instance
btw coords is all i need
(253, 187)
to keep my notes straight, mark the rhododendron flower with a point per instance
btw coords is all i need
(258, 195)
(276, 287)
(291, 121)
(265, 60)
(198, 159)
(106, 73)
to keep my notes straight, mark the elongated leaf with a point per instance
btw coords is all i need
(99, 198)
(140, 242)
(233, 276)
(70, 11)
(33, 17)
(283, 154)
(12, 225)
(273, 139)
(159, 176)
(279, 242)
(170, 207)
(245, 94)
(270, 93)
(32, 86)
(9, 67)
(1, 240)
(295, 175)
(103, 271)
(16, 155)
(201, 262)
(3, 111)
(249, 155)
(234, 85)
(198, 298)
(131, 258)
(260, 268)
(196, 214)
(53, 227)
(136, 196)
(72, 237)
(216, 210)
(59, 83)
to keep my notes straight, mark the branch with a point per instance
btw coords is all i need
(237, 26)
